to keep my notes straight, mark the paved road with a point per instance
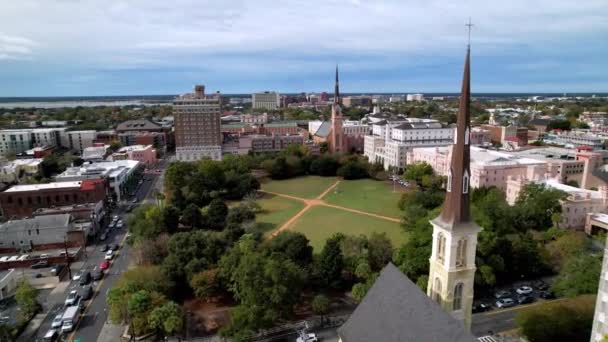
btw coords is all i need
(95, 313)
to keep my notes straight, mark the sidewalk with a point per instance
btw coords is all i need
(111, 332)
(29, 334)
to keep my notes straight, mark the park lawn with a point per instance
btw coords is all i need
(308, 187)
(319, 223)
(367, 195)
(275, 211)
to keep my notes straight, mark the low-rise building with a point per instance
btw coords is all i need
(121, 175)
(96, 153)
(8, 283)
(39, 232)
(415, 97)
(13, 171)
(576, 139)
(143, 154)
(22, 200)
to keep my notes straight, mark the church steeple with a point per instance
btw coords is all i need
(456, 205)
(337, 89)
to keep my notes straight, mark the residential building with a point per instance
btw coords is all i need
(93, 213)
(480, 137)
(575, 207)
(139, 125)
(145, 132)
(15, 141)
(452, 262)
(254, 119)
(156, 139)
(500, 134)
(13, 171)
(273, 143)
(353, 101)
(105, 137)
(78, 140)
(144, 154)
(46, 137)
(576, 138)
(38, 232)
(197, 126)
(96, 153)
(391, 140)
(395, 309)
(121, 175)
(599, 329)
(22, 200)
(414, 97)
(8, 283)
(265, 100)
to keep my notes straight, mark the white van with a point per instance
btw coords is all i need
(70, 317)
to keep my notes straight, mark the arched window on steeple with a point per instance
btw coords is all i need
(449, 185)
(466, 136)
(457, 303)
(440, 247)
(461, 253)
(437, 291)
(465, 182)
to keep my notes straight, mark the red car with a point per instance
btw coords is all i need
(104, 265)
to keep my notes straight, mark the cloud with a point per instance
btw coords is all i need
(267, 37)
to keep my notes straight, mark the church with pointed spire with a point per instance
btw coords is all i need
(336, 141)
(452, 262)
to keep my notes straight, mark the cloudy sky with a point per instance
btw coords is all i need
(116, 47)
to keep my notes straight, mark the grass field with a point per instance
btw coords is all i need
(275, 211)
(305, 187)
(367, 195)
(320, 223)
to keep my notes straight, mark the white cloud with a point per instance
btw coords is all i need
(15, 47)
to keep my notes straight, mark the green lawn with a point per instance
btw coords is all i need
(319, 223)
(368, 195)
(275, 211)
(305, 187)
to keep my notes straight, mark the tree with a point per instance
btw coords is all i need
(415, 172)
(580, 275)
(216, 214)
(192, 217)
(167, 318)
(323, 147)
(380, 250)
(320, 305)
(115, 145)
(293, 245)
(26, 298)
(331, 262)
(205, 284)
(568, 320)
(352, 170)
(169, 218)
(324, 166)
(566, 247)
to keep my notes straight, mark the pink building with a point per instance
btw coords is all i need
(144, 154)
(488, 167)
(575, 208)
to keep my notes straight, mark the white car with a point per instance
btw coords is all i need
(4, 258)
(116, 218)
(23, 257)
(57, 321)
(72, 298)
(524, 290)
(13, 258)
(109, 255)
(77, 276)
(311, 337)
(119, 224)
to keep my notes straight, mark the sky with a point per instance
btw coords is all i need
(137, 47)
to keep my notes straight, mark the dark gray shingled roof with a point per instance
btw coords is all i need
(396, 310)
(134, 125)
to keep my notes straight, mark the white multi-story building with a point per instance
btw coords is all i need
(78, 140)
(266, 100)
(15, 141)
(577, 138)
(415, 97)
(46, 137)
(390, 141)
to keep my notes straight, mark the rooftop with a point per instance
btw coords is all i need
(44, 186)
(38, 222)
(142, 124)
(572, 190)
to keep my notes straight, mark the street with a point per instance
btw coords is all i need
(95, 312)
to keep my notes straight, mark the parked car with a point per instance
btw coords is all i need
(524, 290)
(13, 258)
(40, 264)
(51, 336)
(44, 255)
(104, 248)
(481, 307)
(134, 201)
(112, 225)
(540, 285)
(505, 303)
(105, 264)
(546, 295)
(114, 246)
(502, 294)
(310, 337)
(116, 218)
(119, 224)
(97, 274)
(87, 292)
(23, 257)
(525, 299)
(72, 298)
(85, 278)
(77, 275)
(57, 321)
(4, 259)
(103, 237)
(56, 269)
(109, 255)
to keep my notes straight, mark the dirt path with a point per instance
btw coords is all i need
(309, 203)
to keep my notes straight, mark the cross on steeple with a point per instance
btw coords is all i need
(469, 26)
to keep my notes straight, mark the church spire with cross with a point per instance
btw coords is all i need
(337, 144)
(452, 263)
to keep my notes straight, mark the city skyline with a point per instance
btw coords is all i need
(240, 47)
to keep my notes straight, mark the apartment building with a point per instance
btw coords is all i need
(15, 141)
(143, 154)
(197, 126)
(78, 140)
(269, 100)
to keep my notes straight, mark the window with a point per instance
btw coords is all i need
(465, 182)
(449, 185)
(37, 231)
(440, 247)
(437, 291)
(461, 253)
(457, 304)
